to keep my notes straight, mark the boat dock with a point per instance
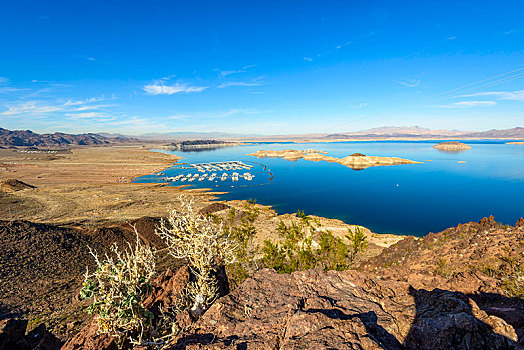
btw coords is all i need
(221, 166)
(209, 171)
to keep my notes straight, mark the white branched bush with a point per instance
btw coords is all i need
(206, 246)
(117, 287)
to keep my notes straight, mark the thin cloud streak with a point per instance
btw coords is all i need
(161, 89)
(500, 95)
(244, 69)
(239, 83)
(470, 104)
(360, 105)
(409, 82)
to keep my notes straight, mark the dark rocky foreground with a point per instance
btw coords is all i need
(456, 289)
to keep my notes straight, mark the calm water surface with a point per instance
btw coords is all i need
(404, 199)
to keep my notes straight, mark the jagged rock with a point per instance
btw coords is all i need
(520, 223)
(89, 339)
(488, 223)
(450, 320)
(168, 287)
(475, 259)
(213, 208)
(12, 336)
(11, 330)
(341, 310)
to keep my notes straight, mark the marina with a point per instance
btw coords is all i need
(209, 171)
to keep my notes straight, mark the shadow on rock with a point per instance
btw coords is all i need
(451, 320)
(376, 332)
(509, 309)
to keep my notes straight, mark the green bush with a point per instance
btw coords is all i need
(299, 250)
(357, 241)
(243, 235)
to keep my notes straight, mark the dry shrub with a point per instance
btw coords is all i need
(206, 246)
(117, 287)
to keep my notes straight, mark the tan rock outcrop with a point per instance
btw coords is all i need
(452, 146)
(356, 161)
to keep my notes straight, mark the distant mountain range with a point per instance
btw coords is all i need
(407, 132)
(385, 132)
(58, 139)
(29, 138)
(413, 130)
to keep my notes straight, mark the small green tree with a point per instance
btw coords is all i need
(243, 235)
(298, 249)
(333, 253)
(357, 242)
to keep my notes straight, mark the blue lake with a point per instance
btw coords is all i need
(403, 199)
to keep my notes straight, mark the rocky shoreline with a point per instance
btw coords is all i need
(356, 161)
(452, 146)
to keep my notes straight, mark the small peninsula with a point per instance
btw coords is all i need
(356, 161)
(452, 146)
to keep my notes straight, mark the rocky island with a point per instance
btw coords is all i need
(452, 146)
(356, 161)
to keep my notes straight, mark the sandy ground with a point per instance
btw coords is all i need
(91, 186)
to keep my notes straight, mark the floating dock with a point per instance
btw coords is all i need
(210, 171)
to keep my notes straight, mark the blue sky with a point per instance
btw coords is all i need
(265, 67)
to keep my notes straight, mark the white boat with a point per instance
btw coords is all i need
(223, 177)
(248, 176)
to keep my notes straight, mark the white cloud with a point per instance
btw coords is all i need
(38, 107)
(6, 89)
(409, 82)
(469, 104)
(88, 100)
(309, 59)
(234, 111)
(91, 107)
(4, 80)
(360, 105)
(239, 83)
(501, 95)
(338, 47)
(244, 69)
(87, 115)
(161, 89)
(31, 107)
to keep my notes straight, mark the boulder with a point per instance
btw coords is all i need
(343, 310)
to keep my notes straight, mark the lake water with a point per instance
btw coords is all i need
(403, 199)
